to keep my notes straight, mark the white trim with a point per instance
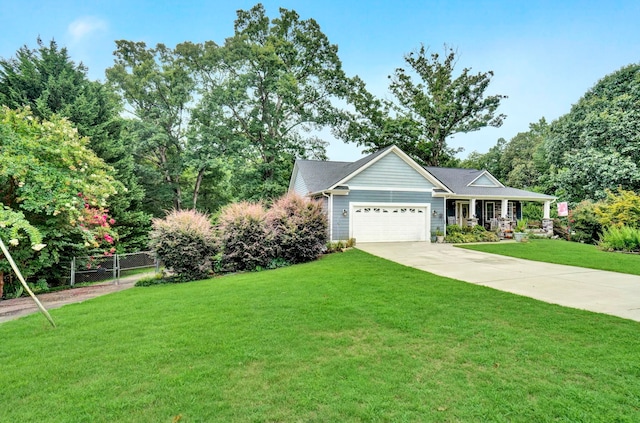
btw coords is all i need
(352, 206)
(497, 183)
(493, 197)
(330, 212)
(422, 171)
(486, 203)
(367, 188)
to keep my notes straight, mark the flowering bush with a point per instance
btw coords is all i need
(185, 242)
(247, 239)
(583, 223)
(300, 228)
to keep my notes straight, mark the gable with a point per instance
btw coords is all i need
(390, 171)
(483, 181)
(299, 186)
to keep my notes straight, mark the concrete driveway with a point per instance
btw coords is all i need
(611, 293)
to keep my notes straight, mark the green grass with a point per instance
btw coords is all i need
(564, 252)
(349, 338)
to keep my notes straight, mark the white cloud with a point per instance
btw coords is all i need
(85, 26)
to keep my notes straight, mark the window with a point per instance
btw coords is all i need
(511, 210)
(489, 211)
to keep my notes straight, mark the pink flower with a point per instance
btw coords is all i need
(108, 238)
(112, 221)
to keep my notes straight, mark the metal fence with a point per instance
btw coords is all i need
(102, 268)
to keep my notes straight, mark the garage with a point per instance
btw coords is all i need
(390, 222)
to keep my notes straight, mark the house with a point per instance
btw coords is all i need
(388, 197)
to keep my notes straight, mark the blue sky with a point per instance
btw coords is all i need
(545, 54)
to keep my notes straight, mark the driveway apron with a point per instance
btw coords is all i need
(600, 291)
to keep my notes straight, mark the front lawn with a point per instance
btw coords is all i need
(564, 252)
(348, 338)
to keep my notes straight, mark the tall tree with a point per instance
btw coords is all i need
(47, 81)
(426, 112)
(596, 146)
(284, 77)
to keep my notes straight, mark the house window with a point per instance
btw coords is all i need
(489, 211)
(511, 210)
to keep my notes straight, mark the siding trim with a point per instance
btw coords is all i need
(402, 189)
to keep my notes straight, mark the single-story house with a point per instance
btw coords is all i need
(388, 197)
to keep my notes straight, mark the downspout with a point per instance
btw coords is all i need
(329, 213)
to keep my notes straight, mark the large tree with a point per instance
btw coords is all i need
(426, 112)
(47, 81)
(596, 146)
(275, 83)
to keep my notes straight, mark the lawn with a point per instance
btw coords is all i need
(564, 252)
(349, 338)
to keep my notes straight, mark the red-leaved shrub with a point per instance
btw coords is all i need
(185, 242)
(300, 228)
(246, 238)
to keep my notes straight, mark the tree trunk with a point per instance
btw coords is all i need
(1, 285)
(196, 188)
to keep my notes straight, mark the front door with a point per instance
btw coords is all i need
(462, 212)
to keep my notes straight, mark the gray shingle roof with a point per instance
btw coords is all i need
(322, 175)
(458, 180)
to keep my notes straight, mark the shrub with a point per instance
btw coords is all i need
(185, 242)
(467, 234)
(618, 209)
(300, 227)
(247, 240)
(584, 224)
(620, 238)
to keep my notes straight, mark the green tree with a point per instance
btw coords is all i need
(596, 146)
(49, 82)
(491, 160)
(424, 113)
(281, 80)
(50, 175)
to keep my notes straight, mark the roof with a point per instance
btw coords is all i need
(322, 175)
(459, 180)
(325, 175)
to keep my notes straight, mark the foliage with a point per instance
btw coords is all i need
(491, 161)
(596, 146)
(620, 238)
(48, 173)
(185, 243)
(619, 208)
(521, 225)
(465, 234)
(584, 223)
(300, 226)
(247, 240)
(48, 82)
(427, 112)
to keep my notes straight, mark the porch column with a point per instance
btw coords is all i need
(503, 209)
(472, 208)
(547, 209)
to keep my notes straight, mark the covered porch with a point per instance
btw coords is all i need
(494, 214)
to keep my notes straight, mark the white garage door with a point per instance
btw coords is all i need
(389, 223)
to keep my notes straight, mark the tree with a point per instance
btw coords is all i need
(49, 174)
(491, 160)
(49, 82)
(596, 146)
(274, 82)
(424, 114)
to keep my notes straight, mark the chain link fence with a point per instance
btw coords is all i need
(91, 269)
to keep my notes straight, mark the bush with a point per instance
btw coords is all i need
(247, 239)
(618, 209)
(185, 242)
(620, 238)
(300, 228)
(466, 234)
(584, 224)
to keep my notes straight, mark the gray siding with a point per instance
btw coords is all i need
(484, 180)
(390, 172)
(299, 187)
(340, 203)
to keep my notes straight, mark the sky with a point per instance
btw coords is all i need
(544, 54)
